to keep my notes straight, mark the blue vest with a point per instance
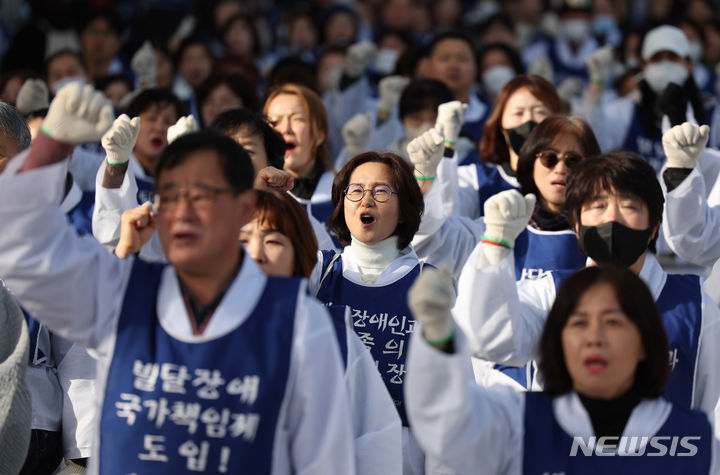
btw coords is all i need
(380, 317)
(490, 182)
(562, 71)
(177, 407)
(680, 306)
(81, 215)
(337, 317)
(538, 252)
(649, 146)
(547, 447)
(145, 189)
(322, 211)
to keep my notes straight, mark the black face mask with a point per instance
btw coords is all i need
(519, 134)
(613, 243)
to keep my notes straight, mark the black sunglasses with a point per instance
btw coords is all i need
(549, 159)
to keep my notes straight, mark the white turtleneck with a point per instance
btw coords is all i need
(373, 258)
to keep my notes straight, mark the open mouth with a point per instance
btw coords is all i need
(184, 237)
(156, 142)
(290, 146)
(367, 219)
(558, 183)
(595, 364)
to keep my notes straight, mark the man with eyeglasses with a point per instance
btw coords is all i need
(204, 364)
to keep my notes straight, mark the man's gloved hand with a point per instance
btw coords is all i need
(358, 57)
(78, 114)
(449, 120)
(144, 66)
(599, 65)
(119, 141)
(430, 299)
(684, 143)
(570, 87)
(184, 125)
(506, 216)
(390, 87)
(542, 67)
(356, 134)
(673, 103)
(425, 153)
(32, 96)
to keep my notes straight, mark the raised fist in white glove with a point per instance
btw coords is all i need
(430, 299)
(78, 114)
(32, 96)
(356, 134)
(184, 125)
(506, 216)
(358, 57)
(599, 65)
(425, 153)
(391, 87)
(684, 143)
(450, 119)
(143, 64)
(569, 88)
(119, 141)
(542, 67)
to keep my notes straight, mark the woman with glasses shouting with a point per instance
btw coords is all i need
(377, 210)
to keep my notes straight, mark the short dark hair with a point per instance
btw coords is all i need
(62, 52)
(408, 192)
(638, 305)
(282, 212)
(452, 35)
(423, 94)
(248, 21)
(234, 161)
(236, 82)
(230, 121)
(621, 172)
(154, 97)
(104, 81)
(113, 19)
(543, 136)
(193, 40)
(510, 52)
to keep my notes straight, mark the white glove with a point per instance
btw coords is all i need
(143, 64)
(430, 299)
(425, 153)
(356, 134)
(450, 119)
(391, 87)
(506, 215)
(542, 67)
(184, 125)
(32, 96)
(684, 143)
(358, 57)
(119, 141)
(78, 114)
(599, 65)
(569, 88)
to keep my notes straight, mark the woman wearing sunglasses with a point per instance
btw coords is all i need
(377, 210)
(604, 357)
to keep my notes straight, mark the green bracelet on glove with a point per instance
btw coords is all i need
(443, 341)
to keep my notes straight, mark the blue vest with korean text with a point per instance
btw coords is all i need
(81, 215)
(649, 146)
(538, 252)
(381, 318)
(680, 306)
(682, 445)
(176, 407)
(490, 182)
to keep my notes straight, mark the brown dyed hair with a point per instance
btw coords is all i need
(316, 113)
(492, 147)
(636, 302)
(408, 192)
(542, 137)
(281, 212)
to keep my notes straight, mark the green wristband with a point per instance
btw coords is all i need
(443, 341)
(428, 178)
(497, 242)
(450, 143)
(116, 164)
(599, 81)
(45, 131)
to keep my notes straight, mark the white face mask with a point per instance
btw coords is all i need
(385, 60)
(57, 85)
(575, 30)
(696, 51)
(660, 75)
(495, 78)
(412, 131)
